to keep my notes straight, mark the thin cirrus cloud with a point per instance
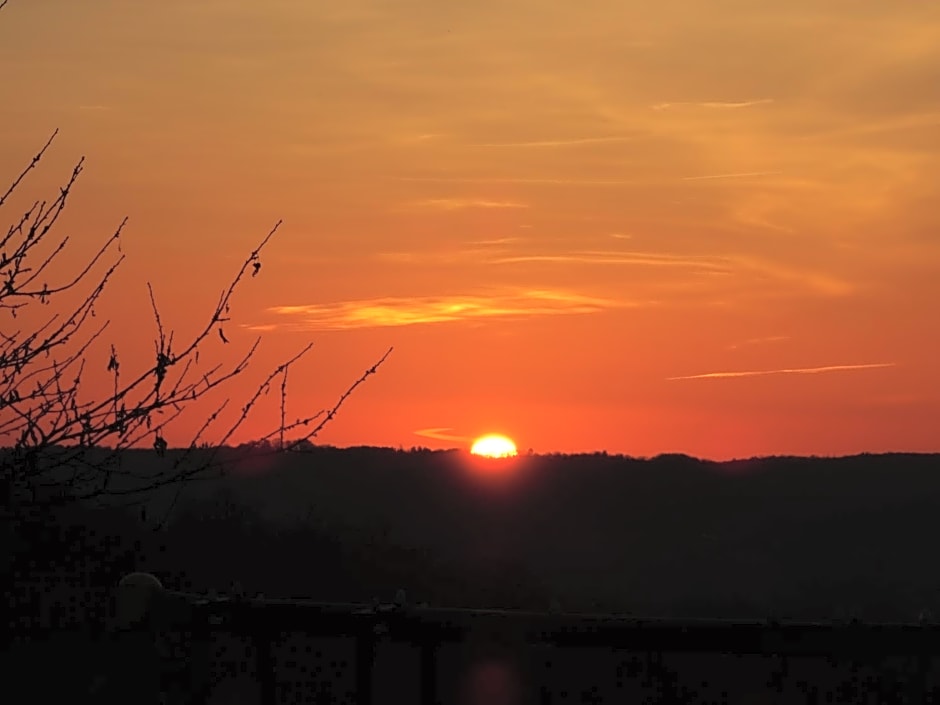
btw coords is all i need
(574, 142)
(798, 278)
(406, 311)
(738, 175)
(480, 253)
(785, 371)
(759, 341)
(450, 204)
(621, 258)
(495, 242)
(441, 434)
(714, 104)
(487, 252)
(520, 180)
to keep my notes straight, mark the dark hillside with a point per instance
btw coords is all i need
(792, 537)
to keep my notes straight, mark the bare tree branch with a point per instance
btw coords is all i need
(66, 442)
(30, 166)
(57, 432)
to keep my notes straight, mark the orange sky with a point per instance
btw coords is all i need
(562, 215)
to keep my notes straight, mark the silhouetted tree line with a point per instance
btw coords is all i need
(65, 568)
(788, 538)
(783, 537)
(791, 537)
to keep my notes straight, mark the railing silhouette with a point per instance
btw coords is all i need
(430, 628)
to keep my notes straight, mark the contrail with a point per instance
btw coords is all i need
(560, 143)
(439, 434)
(741, 175)
(790, 371)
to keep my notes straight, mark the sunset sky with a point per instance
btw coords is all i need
(678, 226)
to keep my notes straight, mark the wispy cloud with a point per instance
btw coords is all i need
(423, 137)
(440, 434)
(713, 104)
(480, 253)
(759, 271)
(450, 204)
(818, 281)
(487, 252)
(739, 175)
(565, 182)
(473, 252)
(621, 258)
(786, 371)
(576, 142)
(495, 242)
(520, 180)
(759, 341)
(405, 311)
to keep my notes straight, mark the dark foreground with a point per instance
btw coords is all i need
(811, 543)
(229, 651)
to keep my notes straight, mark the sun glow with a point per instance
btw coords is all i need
(494, 445)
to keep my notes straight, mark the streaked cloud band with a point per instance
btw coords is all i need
(785, 371)
(449, 204)
(441, 434)
(404, 311)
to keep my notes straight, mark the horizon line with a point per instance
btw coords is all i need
(401, 448)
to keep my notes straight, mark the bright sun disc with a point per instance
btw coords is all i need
(494, 446)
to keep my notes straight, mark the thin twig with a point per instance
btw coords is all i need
(32, 164)
(280, 443)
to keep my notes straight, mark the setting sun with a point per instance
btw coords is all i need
(494, 446)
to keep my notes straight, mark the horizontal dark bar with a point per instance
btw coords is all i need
(435, 625)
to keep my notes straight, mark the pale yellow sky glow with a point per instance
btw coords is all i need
(550, 209)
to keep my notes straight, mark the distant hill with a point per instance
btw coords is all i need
(671, 535)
